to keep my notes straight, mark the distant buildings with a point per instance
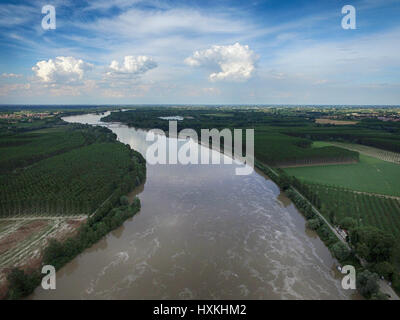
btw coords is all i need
(27, 115)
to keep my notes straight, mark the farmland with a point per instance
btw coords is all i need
(282, 150)
(53, 176)
(335, 122)
(367, 209)
(71, 182)
(368, 175)
(384, 155)
(22, 241)
(23, 149)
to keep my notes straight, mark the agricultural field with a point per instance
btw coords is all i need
(24, 149)
(335, 122)
(378, 134)
(283, 150)
(22, 240)
(51, 180)
(368, 210)
(368, 175)
(384, 155)
(72, 170)
(75, 182)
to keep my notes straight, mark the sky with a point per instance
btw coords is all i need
(200, 52)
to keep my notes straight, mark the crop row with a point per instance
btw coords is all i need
(366, 209)
(75, 182)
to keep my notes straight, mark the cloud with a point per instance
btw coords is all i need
(163, 21)
(132, 65)
(364, 57)
(11, 17)
(8, 89)
(10, 75)
(61, 70)
(236, 62)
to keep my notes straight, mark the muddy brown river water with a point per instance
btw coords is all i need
(202, 233)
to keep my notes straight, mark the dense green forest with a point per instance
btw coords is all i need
(22, 149)
(65, 170)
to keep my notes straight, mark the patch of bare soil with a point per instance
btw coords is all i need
(335, 122)
(315, 164)
(30, 262)
(21, 234)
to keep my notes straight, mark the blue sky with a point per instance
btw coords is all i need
(200, 52)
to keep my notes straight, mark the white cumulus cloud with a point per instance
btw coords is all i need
(236, 62)
(61, 70)
(132, 65)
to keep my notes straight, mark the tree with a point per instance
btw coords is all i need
(314, 224)
(332, 217)
(21, 284)
(308, 212)
(379, 244)
(385, 269)
(284, 181)
(348, 223)
(362, 250)
(124, 200)
(340, 251)
(54, 254)
(367, 283)
(379, 296)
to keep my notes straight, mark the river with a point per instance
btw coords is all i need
(202, 233)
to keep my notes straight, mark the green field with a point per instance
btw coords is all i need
(278, 149)
(367, 210)
(23, 149)
(371, 151)
(369, 175)
(67, 170)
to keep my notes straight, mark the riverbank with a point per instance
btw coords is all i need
(236, 233)
(23, 240)
(281, 149)
(344, 253)
(31, 230)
